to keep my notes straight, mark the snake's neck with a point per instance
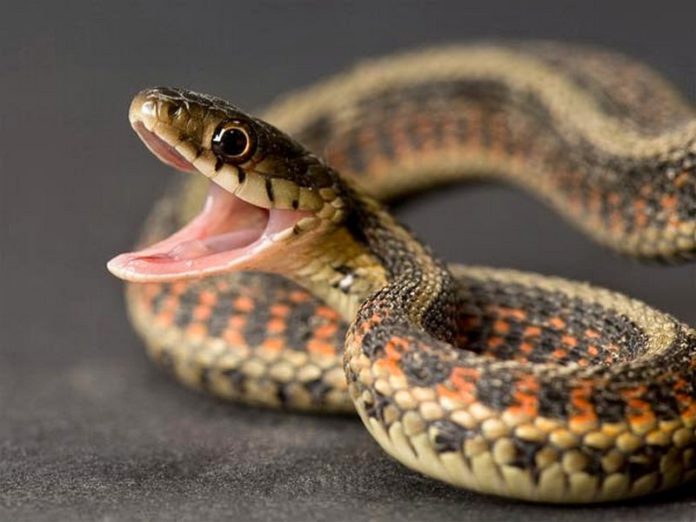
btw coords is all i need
(342, 271)
(372, 252)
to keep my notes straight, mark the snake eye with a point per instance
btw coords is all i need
(232, 141)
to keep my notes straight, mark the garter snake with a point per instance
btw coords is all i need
(295, 288)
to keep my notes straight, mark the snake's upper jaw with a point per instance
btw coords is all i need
(163, 150)
(229, 234)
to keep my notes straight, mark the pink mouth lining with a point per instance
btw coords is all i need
(162, 149)
(227, 234)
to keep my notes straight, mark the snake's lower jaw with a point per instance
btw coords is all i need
(228, 235)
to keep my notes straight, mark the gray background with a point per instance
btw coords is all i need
(88, 428)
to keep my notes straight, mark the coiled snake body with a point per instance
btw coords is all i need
(504, 382)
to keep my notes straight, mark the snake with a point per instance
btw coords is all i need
(273, 273)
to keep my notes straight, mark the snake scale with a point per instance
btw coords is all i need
(294, 287)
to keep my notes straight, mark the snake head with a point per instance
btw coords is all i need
(266, 190)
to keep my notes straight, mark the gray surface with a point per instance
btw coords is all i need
(88, 429)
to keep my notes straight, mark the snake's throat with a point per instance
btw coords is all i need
(229, 234)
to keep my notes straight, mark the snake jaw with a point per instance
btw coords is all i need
(229, 234)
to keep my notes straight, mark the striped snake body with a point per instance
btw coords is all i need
(504, 382)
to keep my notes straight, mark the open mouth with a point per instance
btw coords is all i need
(228, 234)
